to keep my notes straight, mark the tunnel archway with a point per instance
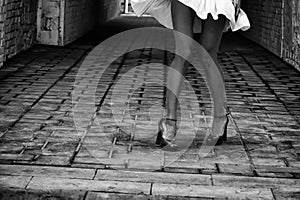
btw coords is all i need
(275, 24)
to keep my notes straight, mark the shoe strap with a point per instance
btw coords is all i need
(170, 119)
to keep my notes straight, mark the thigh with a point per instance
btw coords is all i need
(211, 34)
(182, 18)
(183, 21)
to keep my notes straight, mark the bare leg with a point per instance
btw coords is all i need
(182, 18)
(210, 39)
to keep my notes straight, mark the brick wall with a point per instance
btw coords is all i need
(2, 15)
(80, 18)
(108, 9)
(17, 26)
(61, 22)
(275, 26)
(18, 22)
(291, 32)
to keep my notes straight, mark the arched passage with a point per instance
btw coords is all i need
(275, 23)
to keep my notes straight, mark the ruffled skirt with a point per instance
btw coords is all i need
(161, 11)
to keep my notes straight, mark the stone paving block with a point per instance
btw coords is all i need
(61, 148)
(231, 153)
(99, 195)
(65, 133)
(51, 160)
(15, 157)
(89, 166)
(14, 181)
(254, 182)
(11, 148)
(148, 165)
(173, 163)
(286, 193)
(241, 169)
(275, 171)
(43, 183)
(275, 174)
(58, 172)
(22, 128)
(60, 128)
(14, 194)
(98, 139)
(129, 152)
(262, 95)
(211, 191)
(103, 149)
(96, 153)
(202, 165)
(294, 163)
(110, 163)
(261, 149)
(268, 161)
(153, 177)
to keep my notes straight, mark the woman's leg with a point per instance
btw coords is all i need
(210, 39)
(182, 18)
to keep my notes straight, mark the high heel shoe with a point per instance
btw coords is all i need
(218, 140)
(166, 132)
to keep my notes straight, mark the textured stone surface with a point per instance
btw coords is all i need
(275, 25)
(42, 154)
(17, 27)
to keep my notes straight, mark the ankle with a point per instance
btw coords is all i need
(171, 119)
(220, 112)
(171, 116)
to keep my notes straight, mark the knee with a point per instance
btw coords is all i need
(211, 49)
(184, 52)
(183, 46)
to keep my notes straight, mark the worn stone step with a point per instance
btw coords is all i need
(16, 193)
(43, 183)
(153, 177)
(211, 191)
(254, 182)
(46, 171)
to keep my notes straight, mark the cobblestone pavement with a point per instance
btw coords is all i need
(42, 156)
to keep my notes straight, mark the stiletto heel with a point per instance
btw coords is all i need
(166, 133)
(218, 140)
(159, 137)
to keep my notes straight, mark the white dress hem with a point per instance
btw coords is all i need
(161, 11)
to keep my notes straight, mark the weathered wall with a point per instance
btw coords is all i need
(275, 26)
(108, 9)
(291, 31)
(61, 22)
(2, 15)
(80, 18)
(17, 26)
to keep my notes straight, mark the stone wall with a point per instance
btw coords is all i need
(275, 26)
(17, 26)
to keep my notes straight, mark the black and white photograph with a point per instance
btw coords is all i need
(149, 99)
